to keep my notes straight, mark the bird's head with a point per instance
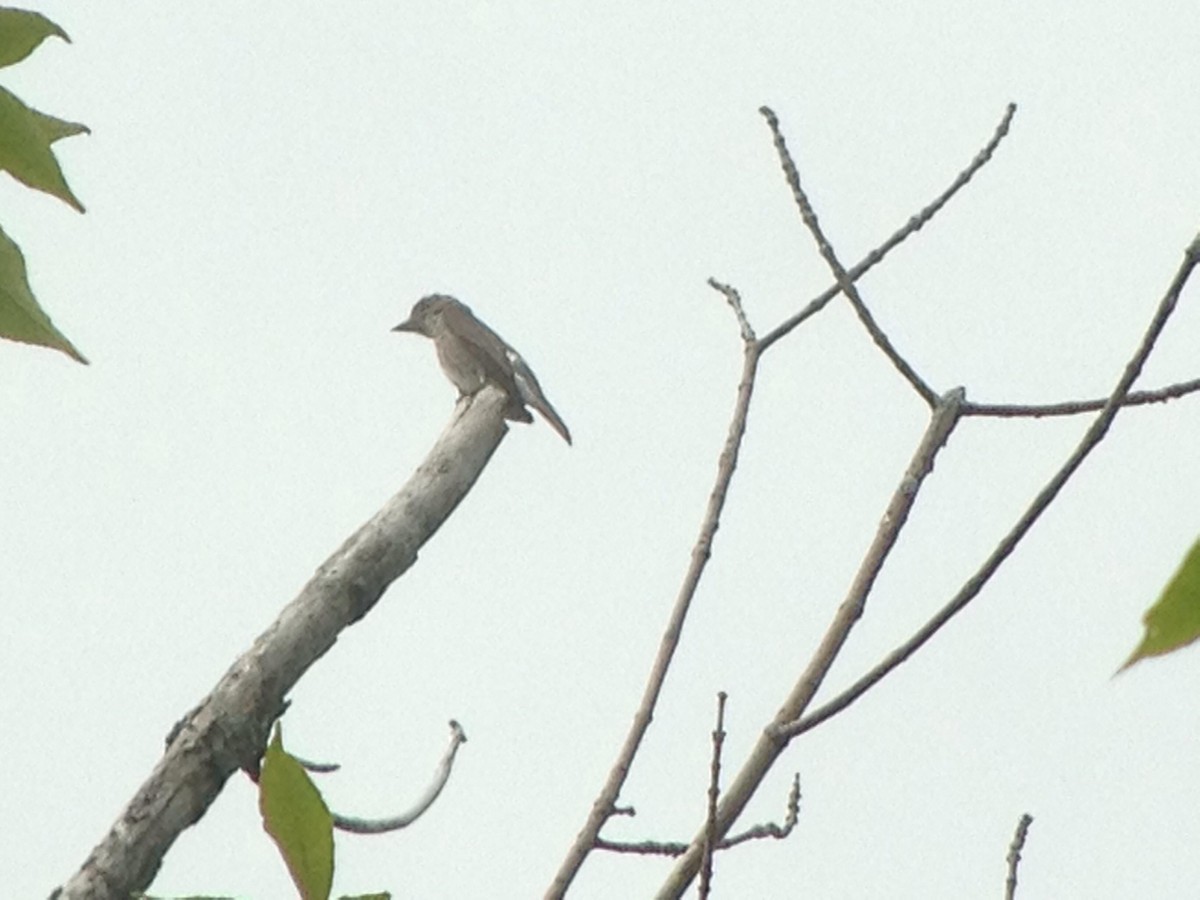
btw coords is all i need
(427, 314)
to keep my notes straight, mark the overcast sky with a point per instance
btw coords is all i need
(271, 186)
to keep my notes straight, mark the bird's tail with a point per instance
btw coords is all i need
(531, 393)
(542, 405)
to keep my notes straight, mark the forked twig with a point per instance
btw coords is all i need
(913, 225)
(779, 733)
(845, 282)
(753, 833)
(773, 740)
(1008, 543)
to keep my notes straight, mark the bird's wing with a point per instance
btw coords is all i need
(492, 353)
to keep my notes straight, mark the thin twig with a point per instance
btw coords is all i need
(845, 282)
(913, 225)
(773, 741)
(602, 808)
(458, 737)
(1075, 407)
(753, 833)
(1043, 499)
(735, 301)
(1014, 855)
(714, 792)
(643, 848)
(770, 829)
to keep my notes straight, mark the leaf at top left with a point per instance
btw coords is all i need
(21, 31)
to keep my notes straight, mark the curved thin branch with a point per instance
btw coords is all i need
(318, 768)
(1043, 499)
(734, 299)
(441, 775)
(770, 829)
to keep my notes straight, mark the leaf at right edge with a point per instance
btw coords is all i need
(21, 31)
(297, 819)
(25, 139)
(21, 318)
(1174, 621)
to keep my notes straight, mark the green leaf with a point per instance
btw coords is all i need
(21, 318)
(20, 33)
(25, 139)
(1174, 621)
(297, 819)
(54, 128)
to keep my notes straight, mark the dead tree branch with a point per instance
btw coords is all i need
(228, 730)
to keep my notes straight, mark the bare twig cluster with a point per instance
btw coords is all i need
(947, 409)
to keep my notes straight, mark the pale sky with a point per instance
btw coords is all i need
(269, 189)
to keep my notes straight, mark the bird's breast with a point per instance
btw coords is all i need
(462, 367)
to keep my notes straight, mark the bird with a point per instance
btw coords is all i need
(472, 355)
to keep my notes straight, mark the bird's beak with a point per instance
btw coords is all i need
(408, 325)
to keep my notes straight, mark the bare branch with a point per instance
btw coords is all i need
(975, 583)
(714, 792)
(845, 282)
(1075, 407)
(774, 740)
(753, 833)
(604, 805)
(913, 225)
(1014, 855)
(643, 848)
(229, 729)
(458, 737)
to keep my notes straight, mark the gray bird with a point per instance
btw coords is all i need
(472, 355)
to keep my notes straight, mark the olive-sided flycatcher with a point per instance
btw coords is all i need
(473, 355)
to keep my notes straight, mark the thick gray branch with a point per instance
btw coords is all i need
(228, 730)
